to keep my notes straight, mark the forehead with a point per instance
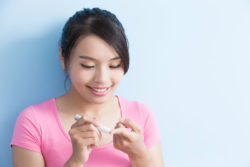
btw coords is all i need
(94, 47)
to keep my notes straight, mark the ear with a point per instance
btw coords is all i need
(61, 58)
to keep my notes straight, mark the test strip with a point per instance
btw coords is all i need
(100, 127)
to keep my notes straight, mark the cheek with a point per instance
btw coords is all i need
(117, 76)
(80, 76)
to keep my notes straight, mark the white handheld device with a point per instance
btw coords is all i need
(100, 127)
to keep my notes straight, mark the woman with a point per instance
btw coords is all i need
(94, 53)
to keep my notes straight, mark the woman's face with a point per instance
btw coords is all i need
(95, 69)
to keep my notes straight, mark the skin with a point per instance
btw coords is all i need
(105, 71)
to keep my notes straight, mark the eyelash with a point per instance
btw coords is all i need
(117, 66)
(89, 67)
(84, 66)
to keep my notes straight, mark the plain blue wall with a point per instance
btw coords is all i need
(190, 63)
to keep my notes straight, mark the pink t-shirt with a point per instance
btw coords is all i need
(38, 128)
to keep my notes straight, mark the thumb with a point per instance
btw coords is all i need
(131, 124)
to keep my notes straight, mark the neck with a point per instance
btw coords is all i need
(75, 104)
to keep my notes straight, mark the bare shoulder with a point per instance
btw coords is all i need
(24, 157)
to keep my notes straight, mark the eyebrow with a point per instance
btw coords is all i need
(91, 58)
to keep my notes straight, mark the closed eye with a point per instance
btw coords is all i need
(85, 66)
(117, 66)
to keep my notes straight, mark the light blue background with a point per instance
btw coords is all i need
(190, 63)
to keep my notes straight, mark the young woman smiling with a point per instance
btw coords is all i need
(94, 54)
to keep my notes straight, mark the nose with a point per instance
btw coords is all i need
(101, 75)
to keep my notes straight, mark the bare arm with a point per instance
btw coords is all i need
(156, 155)
(148, 158)
(23, 157)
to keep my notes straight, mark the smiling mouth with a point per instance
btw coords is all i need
(99, 91)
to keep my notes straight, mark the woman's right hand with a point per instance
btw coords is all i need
(84, 136)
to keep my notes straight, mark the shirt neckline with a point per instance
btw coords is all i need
(67, 135)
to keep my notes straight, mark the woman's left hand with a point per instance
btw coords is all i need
(129, 141)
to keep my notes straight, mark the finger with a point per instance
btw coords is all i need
(119, 125)
(85, 129)
(117, 141)
(122, 132)
(79, 122)
(89, 134)
(131, 124)
(86, 139)
(84, 120)
(95, 130)
(89, 141)
(117, 137)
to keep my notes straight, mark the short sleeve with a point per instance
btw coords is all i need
(26, 132)
(151, 131)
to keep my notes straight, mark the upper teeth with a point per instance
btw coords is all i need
(100, 90)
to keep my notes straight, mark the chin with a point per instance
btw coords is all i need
(99, 100)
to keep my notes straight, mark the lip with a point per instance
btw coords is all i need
(99, 93)
(99, 87)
